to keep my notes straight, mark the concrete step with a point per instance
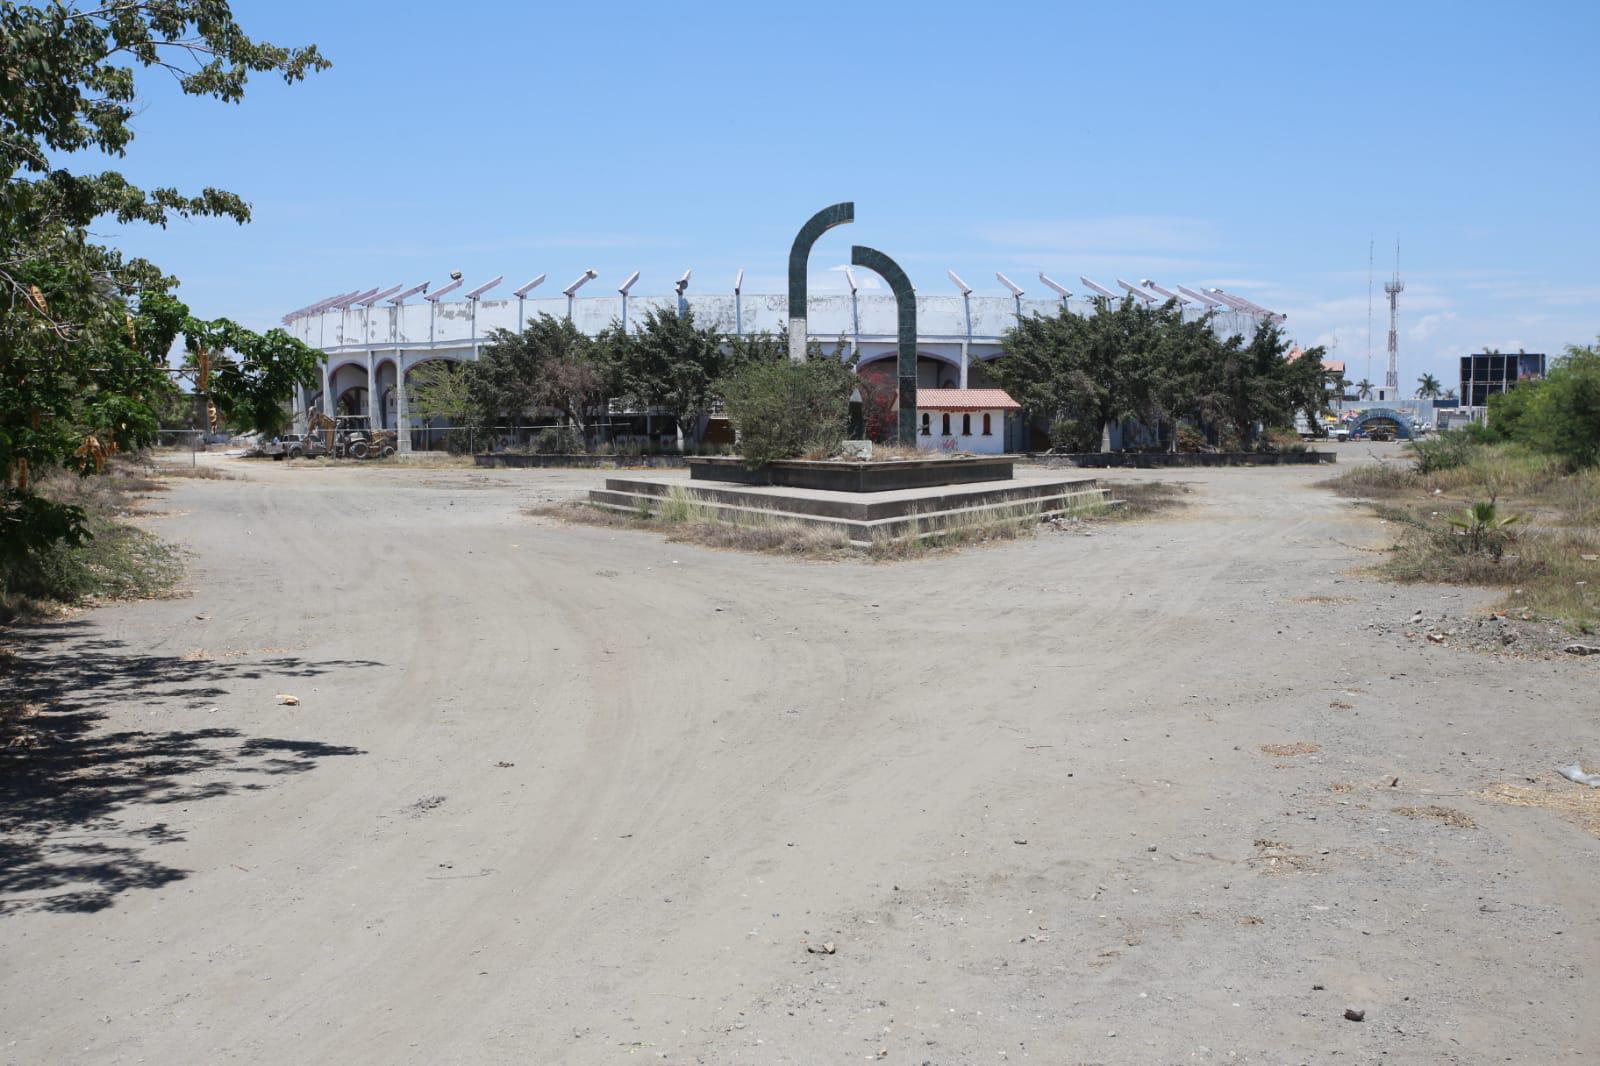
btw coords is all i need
(862, 532)
(855, 506)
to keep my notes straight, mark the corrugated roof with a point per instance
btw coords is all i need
(966, 400)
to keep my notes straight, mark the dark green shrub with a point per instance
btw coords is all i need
(1442, 451)
(784, 410)
(558, 440)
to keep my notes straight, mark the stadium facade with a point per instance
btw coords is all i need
(373, 340)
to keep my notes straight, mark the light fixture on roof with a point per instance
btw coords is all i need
(966, 314)
(624, 289)
(477, 293)
(366, 309)
(522, 296)
(1016, 291)
(572, 290)
(1208, 302)
(1133, 290)
(682, 285)
(433, 299)
(738, 303)
(1055, 286)
(438, 294)
(1170, 295)
(1097, 288)
(472, 298)
(403, 297)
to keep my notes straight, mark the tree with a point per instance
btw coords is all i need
(439, 389)
(1561, 414)
(550, 364)
(674, 363)
(1364, 389)
(85, 333)
(1427, 387)
(251, 373)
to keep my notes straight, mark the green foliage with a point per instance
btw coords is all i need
(676, 364)
(1428, 387)
(550, 364)
(1558, 416)
(440, 389)
(1484, 528)
(84, 332)
(784, 410)
(1130, 361)
(1442, 451)
(252, 374)
(558, 440)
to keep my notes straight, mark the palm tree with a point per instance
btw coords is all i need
(1364, 389)
(1427, 387)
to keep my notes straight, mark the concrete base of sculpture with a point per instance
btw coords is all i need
(862, 517)
(854, 475)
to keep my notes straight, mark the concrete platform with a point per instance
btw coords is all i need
(862, 516)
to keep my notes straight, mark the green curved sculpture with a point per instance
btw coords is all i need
(905, 298)
(799, 255)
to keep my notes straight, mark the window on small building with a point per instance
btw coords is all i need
(966, 425)
(927, 429)
(946, 424)
(987, 432)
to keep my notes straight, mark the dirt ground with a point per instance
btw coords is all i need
(556, 794)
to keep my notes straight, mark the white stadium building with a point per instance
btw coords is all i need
(373, 339)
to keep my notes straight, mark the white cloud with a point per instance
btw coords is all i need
(1428, 325)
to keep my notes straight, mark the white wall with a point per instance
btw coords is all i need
(939, 318)
(993, 444)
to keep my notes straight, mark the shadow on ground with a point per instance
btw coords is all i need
(64, 776)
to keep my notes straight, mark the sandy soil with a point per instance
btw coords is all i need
(566, 794)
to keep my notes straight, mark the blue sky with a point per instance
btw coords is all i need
(1254, 146)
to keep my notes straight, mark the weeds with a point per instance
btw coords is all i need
(1141, 499)
(118, 561)
(1550, 561)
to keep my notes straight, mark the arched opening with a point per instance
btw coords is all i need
(927, 424)
(944, 428)
(352, 401)
(988, 431)
(966, 425)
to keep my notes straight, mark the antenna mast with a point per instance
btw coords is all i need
(1394, 287)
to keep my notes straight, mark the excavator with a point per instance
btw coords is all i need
(325, 436)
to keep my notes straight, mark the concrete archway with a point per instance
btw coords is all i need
(1382, 418)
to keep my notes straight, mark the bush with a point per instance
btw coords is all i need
(558, 440)
(783, 410)
(1190, 439)
(1443, 451)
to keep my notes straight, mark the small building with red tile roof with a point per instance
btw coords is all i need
(963, 420)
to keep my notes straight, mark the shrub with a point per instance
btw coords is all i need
(783, 410)
(1443, 451)
(558, 440)
(1190, 439)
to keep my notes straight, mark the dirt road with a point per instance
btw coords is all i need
(559, 794)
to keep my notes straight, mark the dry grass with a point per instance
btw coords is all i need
(1448, 815)
(686, 519)
(1578, 803)
(1551, 563)
(118, 561)
(1298, 747)
(1141, 499)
